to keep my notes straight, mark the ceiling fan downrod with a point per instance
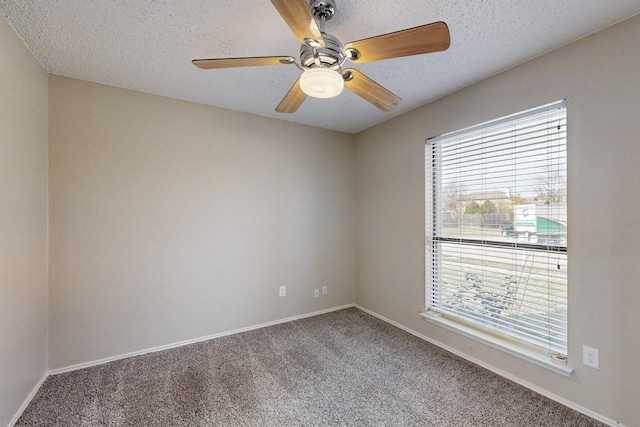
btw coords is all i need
(330, 56)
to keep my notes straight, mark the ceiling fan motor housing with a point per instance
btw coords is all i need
(330, 56)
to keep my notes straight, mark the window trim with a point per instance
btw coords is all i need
(479, 334)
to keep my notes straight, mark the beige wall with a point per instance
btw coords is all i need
(171, 220)
(23, 223)
(600, 78)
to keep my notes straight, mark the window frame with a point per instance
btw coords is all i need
(555, 362)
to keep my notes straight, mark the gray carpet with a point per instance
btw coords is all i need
(344, 368)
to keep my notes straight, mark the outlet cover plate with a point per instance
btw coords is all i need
(591, 357)
(283, 291)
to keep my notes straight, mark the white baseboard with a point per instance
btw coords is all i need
(28, 400)
(191, 341)
(500, 372)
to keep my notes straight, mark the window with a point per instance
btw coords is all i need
(497, 229)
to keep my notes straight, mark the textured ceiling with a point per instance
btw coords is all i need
(148, 45)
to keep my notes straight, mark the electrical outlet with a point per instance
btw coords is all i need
(590, 357)
(324, 290)
(283, 291)
(316, 293)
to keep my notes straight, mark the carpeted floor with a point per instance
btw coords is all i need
(344, 368)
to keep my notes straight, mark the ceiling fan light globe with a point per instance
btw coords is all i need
(321, 83)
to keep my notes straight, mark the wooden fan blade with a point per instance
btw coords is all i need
(292, 100)
(298, 17)
(369, 90)
(413, 41)
(208, 64)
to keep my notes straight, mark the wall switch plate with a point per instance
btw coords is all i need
(591, 357)
(316, 293)
(324, 290)
(283, 291)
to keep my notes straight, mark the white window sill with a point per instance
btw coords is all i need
(521, 352)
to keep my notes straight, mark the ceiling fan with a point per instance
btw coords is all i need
(322, 55)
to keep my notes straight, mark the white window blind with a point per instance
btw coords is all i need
(497, 227)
